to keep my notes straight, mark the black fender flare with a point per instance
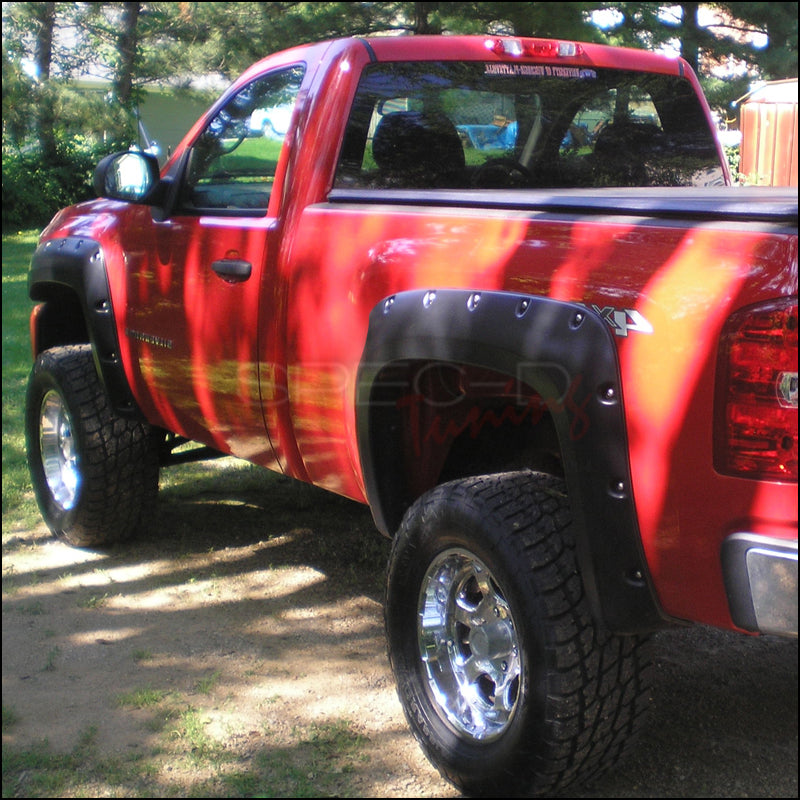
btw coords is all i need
(561, 350)
(77, 264)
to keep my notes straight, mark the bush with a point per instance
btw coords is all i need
(732, 155)
(33, 190)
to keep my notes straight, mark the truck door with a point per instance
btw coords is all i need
(194, 295)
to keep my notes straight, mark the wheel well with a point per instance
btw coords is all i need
(68, 279)
(59, 320)
(439, 421)
(454, 380)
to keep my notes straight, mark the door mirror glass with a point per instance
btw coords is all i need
(127, 176)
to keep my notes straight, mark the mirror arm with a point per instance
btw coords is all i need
(161, 199)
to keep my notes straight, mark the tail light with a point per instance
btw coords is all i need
(543, 47)
(547, 48)
(755, 432)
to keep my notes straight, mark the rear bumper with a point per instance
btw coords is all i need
(761, 582)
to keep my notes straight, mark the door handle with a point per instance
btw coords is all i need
(232, 270)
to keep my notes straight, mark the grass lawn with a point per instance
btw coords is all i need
(19, 507)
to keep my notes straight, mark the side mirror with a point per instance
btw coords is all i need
(129, 176)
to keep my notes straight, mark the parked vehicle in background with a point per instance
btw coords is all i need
(499, 289)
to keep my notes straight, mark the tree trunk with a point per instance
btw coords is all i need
(422, 22)
(691, 35)
(127, 42)
(44, 15)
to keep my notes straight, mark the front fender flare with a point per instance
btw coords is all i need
(77, 265)
(559, 349)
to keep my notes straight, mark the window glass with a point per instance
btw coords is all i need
(233, 162)
(475, 125)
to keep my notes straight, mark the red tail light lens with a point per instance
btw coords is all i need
(552, 49)
(755, 432)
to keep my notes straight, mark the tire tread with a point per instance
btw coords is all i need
(119, 456)
(598, 685)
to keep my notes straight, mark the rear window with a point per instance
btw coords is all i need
(476, 125)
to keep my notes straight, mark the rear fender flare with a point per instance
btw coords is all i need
(559, 349)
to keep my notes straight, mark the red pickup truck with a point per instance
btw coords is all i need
(499, 289)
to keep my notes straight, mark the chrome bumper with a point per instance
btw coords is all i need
(761, 582)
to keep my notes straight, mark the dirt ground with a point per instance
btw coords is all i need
(257, 613)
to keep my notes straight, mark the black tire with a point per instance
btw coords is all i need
(519, 691)
(94, 474)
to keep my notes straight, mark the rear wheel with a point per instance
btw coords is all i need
(94, 473)
(505, 678)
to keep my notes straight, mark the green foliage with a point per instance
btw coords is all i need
(41, 772)
(206, 684)
(563, 20)
(778, 59)
(732, 156)
(34, 188)
(10, 717)
(141, 698)
(721, 93)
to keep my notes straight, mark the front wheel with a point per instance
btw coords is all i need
(94, 473)
(506, 680)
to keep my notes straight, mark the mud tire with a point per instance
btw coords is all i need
(581, 694)
(94, 473)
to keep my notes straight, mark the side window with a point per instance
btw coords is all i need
(233, 162)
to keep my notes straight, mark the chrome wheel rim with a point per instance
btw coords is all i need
(469, 646)
(58, 452)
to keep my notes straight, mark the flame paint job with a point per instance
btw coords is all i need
(265, 369)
